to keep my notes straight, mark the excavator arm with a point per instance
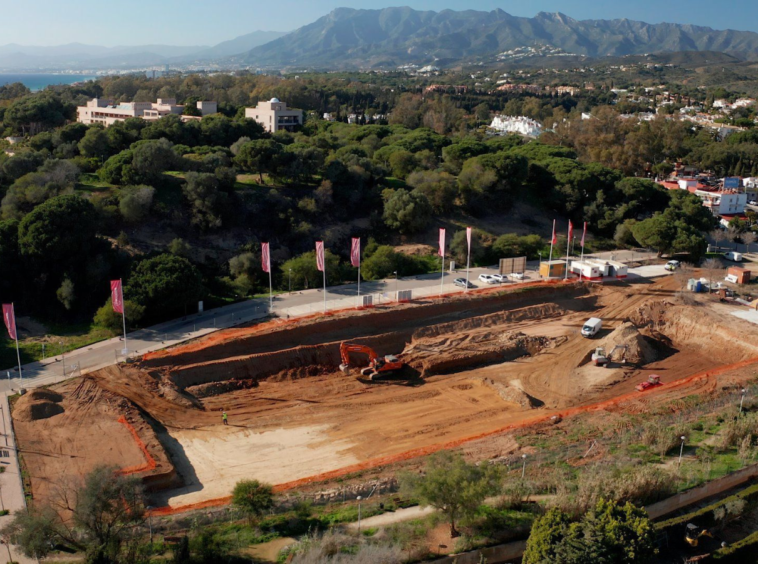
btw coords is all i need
(347, 348)
(377, 365)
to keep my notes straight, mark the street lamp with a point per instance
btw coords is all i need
(359, 514)
(8, 546)
(290, 281)
(523, 467)
(681, 449)
(540, 253)
(744, 391)
(397, 296)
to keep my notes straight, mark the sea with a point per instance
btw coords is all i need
(36, 82)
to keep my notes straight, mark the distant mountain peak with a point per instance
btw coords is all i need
(393, 37)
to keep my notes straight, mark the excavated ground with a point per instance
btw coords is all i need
(478, 366)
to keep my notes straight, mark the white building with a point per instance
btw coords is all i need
(275, 116)
(520, 125)
(723, 202)
(107, 112)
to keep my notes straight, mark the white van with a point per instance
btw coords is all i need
(592, 327)
(733, 256)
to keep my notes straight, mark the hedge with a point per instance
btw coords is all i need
(740, 551)
(704, 516)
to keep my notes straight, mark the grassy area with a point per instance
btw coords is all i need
(57, 340)
(89, 182)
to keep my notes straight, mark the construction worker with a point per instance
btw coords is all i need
(224, 418)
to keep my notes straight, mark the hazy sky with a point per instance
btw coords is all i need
(207, 22)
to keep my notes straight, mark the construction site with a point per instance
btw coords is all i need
(313, 400)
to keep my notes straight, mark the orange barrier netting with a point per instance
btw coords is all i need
(149, 460)
(424, 451)
(223, 335)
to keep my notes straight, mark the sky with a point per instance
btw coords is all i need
(196, 22)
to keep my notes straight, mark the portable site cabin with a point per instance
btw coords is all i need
(618, 269)
(602, 266)
(741, 274)
(553, 269)
(585, 270)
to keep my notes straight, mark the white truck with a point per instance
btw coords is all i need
(592, 327)
(733, 256)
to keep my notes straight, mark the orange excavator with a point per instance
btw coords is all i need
(377, 366)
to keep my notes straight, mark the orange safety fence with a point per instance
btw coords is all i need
(149, 460)
(425, 451)
(224, 335)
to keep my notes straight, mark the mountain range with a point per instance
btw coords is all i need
(396, 36)
(348, 38)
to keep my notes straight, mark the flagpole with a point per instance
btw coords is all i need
(442, 272)
(270, 291)
(468, 264)
(18, 352)
(549, 266)
(359, 284)
(584, 234)
(324, 272)
(568, 252)
(123, 310)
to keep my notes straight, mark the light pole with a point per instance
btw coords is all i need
(523, 467)
(681, 449)
(150, 525)
(290, 281)
(2, 505)
(359, 514)
(540, 253)
(397, 296)
(8, 546)
(744, 391)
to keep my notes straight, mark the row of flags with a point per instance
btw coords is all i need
(554, 238)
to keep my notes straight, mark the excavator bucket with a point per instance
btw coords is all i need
(345, 368)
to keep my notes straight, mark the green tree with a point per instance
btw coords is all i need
(107, 318)
(512, 245)
(406, 212)
(459, 248)
(259, 156)
(452, 485)
(95, 144)
(165, 285)
(610, 532)
(252, 497)
(304, 273)
(135, 202)
(208, 200)
(656, 233)
(440, 188)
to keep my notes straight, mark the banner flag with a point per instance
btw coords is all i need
(355, 252)
(320, 255)
(441, 252)
(468, 238)
(571, 230)
(117, 296)
(265, 258)
(554, 239)
(10, 320)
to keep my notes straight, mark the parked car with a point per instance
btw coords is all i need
(500, 278)
(517, 276)
(672, 265)
(488, 279)
(461, 282)
(753, 203)
(733, 256)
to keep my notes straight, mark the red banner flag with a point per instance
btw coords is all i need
(554, 239)
(10, 320)
(571, 230)
(468, 238)
(117, 296)
(441, 252)
(355, 252)
(584, 233)
(265, 258)
(320, 255)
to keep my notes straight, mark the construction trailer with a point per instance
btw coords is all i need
(742, 275)
(585, 270)
(553, 269)
(611, 268)
(602, 265)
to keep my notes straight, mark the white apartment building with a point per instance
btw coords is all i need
(275, 116)
(106, 112)
(723, 202)
(520, 125)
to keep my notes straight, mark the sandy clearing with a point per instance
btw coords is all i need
(215, 458)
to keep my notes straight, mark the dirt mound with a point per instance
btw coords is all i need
(638, 349)
(41, 394)
(216, 388)
(453, 353)
(513, 393)
(36, 409)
